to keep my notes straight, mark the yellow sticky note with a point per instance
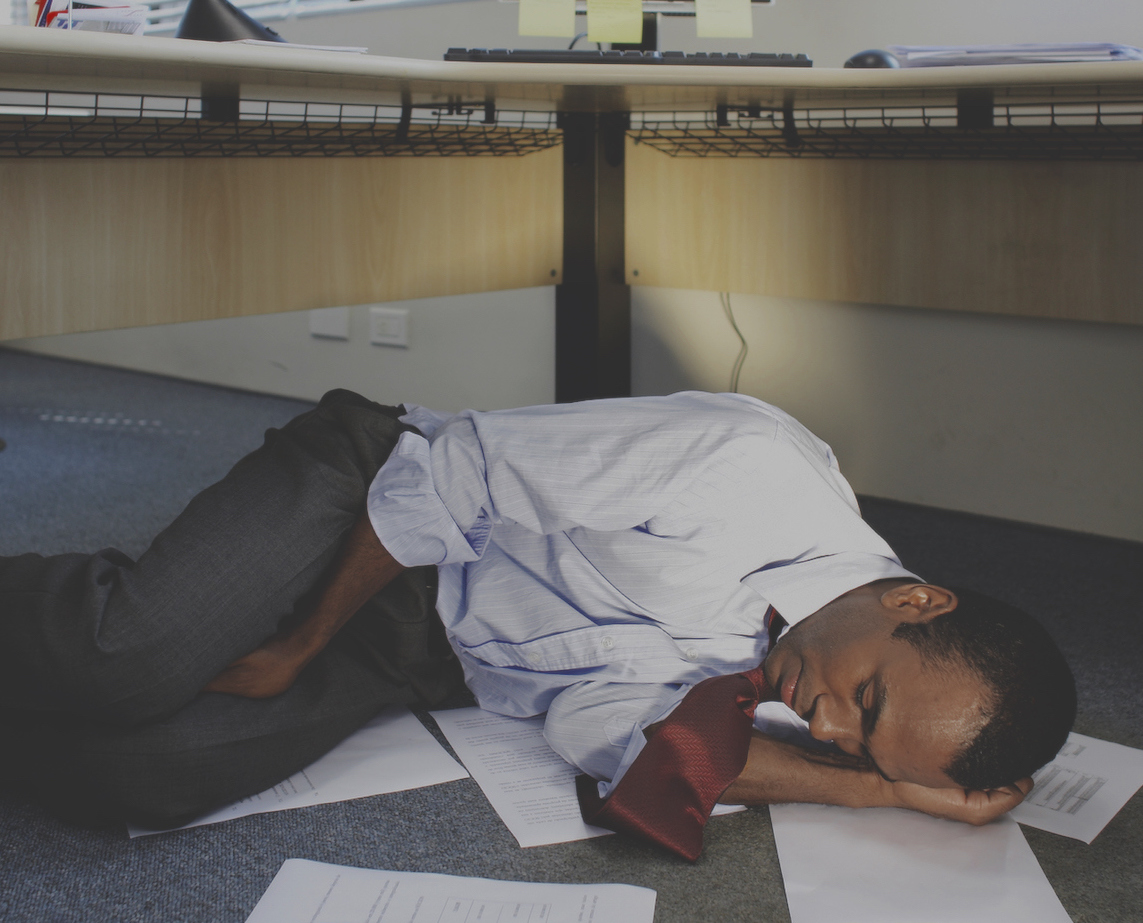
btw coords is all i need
(615, 21)
(724, 19)
(547, 17)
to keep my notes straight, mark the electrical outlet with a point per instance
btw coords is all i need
(332, 323)
(389, 326)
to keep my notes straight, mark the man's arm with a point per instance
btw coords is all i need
(363, 567)
(777, 773)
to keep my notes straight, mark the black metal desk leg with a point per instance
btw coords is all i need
(593, 304)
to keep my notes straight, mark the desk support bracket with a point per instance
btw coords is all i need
(220, 102)
(593, 303)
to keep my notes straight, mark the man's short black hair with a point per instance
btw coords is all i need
(1033, 691)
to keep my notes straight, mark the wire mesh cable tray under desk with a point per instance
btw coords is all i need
(1043, 131)
(81, 125)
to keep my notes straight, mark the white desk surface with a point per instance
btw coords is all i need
(45, 59)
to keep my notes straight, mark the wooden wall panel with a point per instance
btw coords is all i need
(96, 244)
(1060, 240)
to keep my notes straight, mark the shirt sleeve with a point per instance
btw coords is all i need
(598, 726)
(600, 465)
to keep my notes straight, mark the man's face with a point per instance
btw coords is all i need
(870, 693)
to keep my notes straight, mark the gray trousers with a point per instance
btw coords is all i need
(102, 658)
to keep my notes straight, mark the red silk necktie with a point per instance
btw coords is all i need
(667, 794)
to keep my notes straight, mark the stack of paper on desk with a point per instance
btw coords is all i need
(392, 753)
(1052, 53)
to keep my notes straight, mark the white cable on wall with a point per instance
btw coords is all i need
(736, 369)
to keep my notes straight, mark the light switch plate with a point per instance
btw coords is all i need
(332, 323)
(389, 326)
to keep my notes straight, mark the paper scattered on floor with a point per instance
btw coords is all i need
(1083, 788)
(392, 753)
(314, 892)
(529, 785)
(887, 865)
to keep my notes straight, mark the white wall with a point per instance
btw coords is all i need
(1034, 420)
(487, 351)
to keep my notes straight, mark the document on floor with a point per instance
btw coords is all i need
(315, 892)
(888, 865)
(530, 786)
(1083, 788)
(392, 753)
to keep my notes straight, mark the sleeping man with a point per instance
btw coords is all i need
(590, 561)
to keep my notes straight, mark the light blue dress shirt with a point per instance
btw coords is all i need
(597, 559)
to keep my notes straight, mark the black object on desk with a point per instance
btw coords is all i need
(592, 56)
(222, 21)
(874, 57)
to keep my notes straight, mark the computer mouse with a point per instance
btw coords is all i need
(873, 58)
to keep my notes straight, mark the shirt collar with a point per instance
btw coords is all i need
(797, 589)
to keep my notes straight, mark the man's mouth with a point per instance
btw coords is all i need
(790, 688)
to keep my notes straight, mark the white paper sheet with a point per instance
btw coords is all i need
(1085, 786)
(724, 19)
(392, 753)
(314, 892)
(1059, 52)
(531, 786)
(547, 17)
(885, 865)
(615, 21)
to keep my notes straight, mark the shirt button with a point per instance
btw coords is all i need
(534, 657)
(692, 653)
(607, 642)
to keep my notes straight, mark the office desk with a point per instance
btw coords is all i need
(105, 241)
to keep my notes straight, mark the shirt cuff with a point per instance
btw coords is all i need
(425, 420)
(639, 740)
(409, 517)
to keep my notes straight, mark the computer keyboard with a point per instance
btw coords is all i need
(591, 56)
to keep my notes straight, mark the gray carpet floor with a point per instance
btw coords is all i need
(73, 480)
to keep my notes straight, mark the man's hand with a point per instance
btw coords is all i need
(363, 568)
(970, 807)
(266, 671)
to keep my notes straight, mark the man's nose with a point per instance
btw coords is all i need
(832, 720)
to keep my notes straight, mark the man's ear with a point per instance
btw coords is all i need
(918, 602)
